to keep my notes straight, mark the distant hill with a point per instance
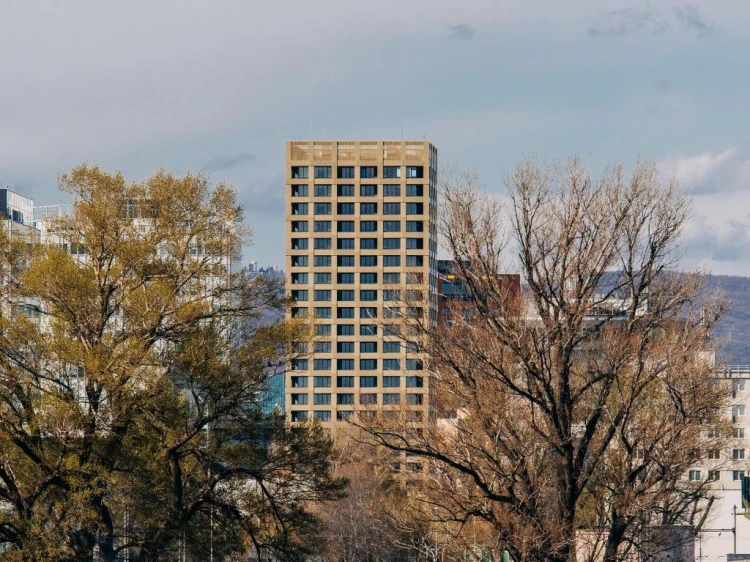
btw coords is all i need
(734, 329)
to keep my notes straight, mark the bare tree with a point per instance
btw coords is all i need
(580, 403)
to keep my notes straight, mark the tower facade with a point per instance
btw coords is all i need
(361, 250)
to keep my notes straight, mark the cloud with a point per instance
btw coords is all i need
(229, 161)
(626, 20)
(462, 31)
(727, 171)
(725, 242)
(689, 17)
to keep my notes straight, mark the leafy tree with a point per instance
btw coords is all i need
(131, 367)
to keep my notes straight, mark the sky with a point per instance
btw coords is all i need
(220, 86)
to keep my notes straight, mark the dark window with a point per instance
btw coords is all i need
(299, 311)
(299, 261)
(299, 172)
(322, 278)
(321, 295)
(414, 243)
(391, 382)
(414, 261)
(345, 347)
(368, 190)
(345, 261)
(322, 226)
(368, 261)
(368, 226)
(299, 416)
(345, 172)
(299, 208)
(325, 172)
(414, 172)
(299, 191)
(345, 382)
(368, 208)
(368, 296)
(322, 312)
(345, 365)
(299, 243)
(391, 261)
(299, 382)
(345, 190)
(322, 382)
(322, 415)
(368, 399)
(368, 278)
(391, 364)
(322, 244)
(414, 226)
(368, 312)
(368, 244)
(323, 330)
(299, 365)
(391, 208)
(391, 171)
(345, 312)
(299, 278)
(346, 295)
(345, 330)
(414, 208)
(322, 261)
(391, 226)
(391, 191)
(368, 172)
(391, 399)
(345, 399)
(322, 208)
(414, 382)
(391, 295)
(322, 365)
(391, 347)
(391, 278)
(321, 399)
(345, 226)
(345, 208)
(414, 190)
(299, 295)
(414, 399)
(368, 330)
(345, 243)
(414, 365)
(299, 226)
(345, 278)
(368, 347)
(323, 190)
(346, 416)
(368, 382)
(299, 399)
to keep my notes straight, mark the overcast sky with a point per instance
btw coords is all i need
(221, 85)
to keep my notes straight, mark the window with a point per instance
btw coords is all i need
(368, 347)
(345, 208)
(391, 208)
(368, 172)
(391, 295)
(414, 226)
(345, 312)
(299, 311)
(322, 365)
(322, 208)
(345, 347)
(391, 347)
(345, 226)
(322, 190)
(414, 243)
(345, 382)
(321, 295)
(414, 172)
(368, 190)
(299, 261)
(323, 172)
(368, 312)
(738, 454)
(345, 330)
(414, 278)
(322, 261)
(299, 364)
(738, 412)
(713, 454)
(368, 261)
(368, 244)
(368, 399)
(414, 208)
(299, 208)
(346, 296)
(368, 382)
(299, 416)
(299, 226)
(391, 191)
(322, 347)
(345, 279)
(368, 208)
(345, 243)
(368, 364)
(368, 226)
(391, 226)
(414, 311)
(345, 261)
(345, 172)
(368, 296)
(414, 399)
(299, 295)
(299, 243)
(738, 432)
(299, 382)
(322, 278)
(414, 190)
(391, 171)
(391, 243)
(322, 415)
(299, 399)
(345, 399)
(414, 261)
(414, 382)
(391, 312)
(322, 243)
(322, 399)
(299, 191)
(713, 475)
(323, 330)
(412, 295)
(368, 278)
(299, 172)
(323, 226)
(345, 190)
(390, 399)
(391, 261)
(343, 416)
(391, 364)
(345, 364)
(322, 382)
(738, 475)
(737, 386)
(391, 278)
(391, 382)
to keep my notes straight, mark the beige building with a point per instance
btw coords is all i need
(361, 250)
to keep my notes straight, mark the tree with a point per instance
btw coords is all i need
(583, 402)
(130, 377)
